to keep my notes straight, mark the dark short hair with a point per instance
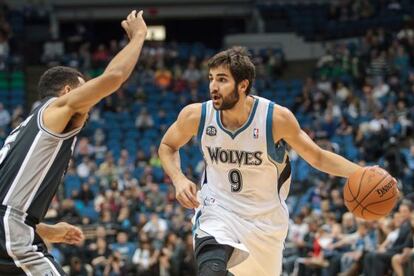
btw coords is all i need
(238, 61)
(54, 80)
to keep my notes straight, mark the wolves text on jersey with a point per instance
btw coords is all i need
(217, 154)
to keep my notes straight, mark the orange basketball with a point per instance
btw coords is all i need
(370, 193)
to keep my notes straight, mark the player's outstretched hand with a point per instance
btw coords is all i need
(186, 193)
(63, 232)
(134, 25)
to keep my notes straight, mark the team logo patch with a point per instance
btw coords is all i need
(255, 133)
(211, 131)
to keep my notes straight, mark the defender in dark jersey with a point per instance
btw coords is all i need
(36, 154)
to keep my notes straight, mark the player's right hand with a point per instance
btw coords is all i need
(186, 193)
(134, 25)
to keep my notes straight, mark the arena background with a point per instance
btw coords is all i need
(345, 68)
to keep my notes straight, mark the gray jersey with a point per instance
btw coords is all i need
(32, 163)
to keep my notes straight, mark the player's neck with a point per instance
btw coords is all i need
(236, 117)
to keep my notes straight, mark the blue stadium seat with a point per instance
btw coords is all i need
(71, 183)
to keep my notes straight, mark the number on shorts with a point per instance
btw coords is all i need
(236, 180)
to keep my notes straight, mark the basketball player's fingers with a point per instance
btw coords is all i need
(124, 24)
(184, 200)
(76, 237)
(186, 203)
(75, 233)
(72, 239)
(78, 232)
(131, 15)
(193, 198)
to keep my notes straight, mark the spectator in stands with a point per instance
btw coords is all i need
(192, 75)
(379, 66)
(86, 167)
(4, 117)
(163, 77)
(115, 265)
(394, 160)
(85, 195)
(348, 223)
(377, 263)
(101, 56)
(99, 253)
(355, 245)
(406, 258)
(124, 247)
(53, 51)
(83, 148)
(155, 226)
(107, 170)
(77, 267)
(145, 257)
(144, 120)
(4, 49)
(155, 159)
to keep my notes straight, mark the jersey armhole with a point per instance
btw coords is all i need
(202, 121)
(270, 142)
(45, 130)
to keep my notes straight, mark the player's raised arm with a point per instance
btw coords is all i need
(81, 99)
(286, 127)
(180, 132)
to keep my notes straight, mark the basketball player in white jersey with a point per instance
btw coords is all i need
(241, 219)
(37, 152)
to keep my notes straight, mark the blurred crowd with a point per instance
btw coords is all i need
(358, 101)
(346, 10)
(361, 97)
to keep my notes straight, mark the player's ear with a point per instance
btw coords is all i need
(242, 87)
(66, 89)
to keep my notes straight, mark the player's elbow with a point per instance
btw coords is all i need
(317, 159)
(162, 150)
(165, 150)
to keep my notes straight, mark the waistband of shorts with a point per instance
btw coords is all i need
(28, 219)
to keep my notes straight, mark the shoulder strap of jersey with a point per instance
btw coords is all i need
(202, 121)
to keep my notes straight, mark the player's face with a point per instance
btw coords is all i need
(223, 89)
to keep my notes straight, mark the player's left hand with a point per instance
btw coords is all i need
(63, 232)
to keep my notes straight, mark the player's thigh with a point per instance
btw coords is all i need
(247, 268)
(266, 253)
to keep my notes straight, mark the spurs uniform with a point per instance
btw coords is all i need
(32, 163)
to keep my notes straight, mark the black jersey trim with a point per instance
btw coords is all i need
(49, 132)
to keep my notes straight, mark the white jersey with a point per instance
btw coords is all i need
(245, 172)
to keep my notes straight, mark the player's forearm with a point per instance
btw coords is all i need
(170, 160)
(335, 164)
(125, 61)
(118, 70)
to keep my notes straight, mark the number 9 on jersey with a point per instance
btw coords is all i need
(236, 180)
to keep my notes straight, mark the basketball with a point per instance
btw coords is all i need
(370, 193)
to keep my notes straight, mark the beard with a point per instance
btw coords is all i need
(229, 101)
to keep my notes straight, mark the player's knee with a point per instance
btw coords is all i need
(213, 268)
(212, 258)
